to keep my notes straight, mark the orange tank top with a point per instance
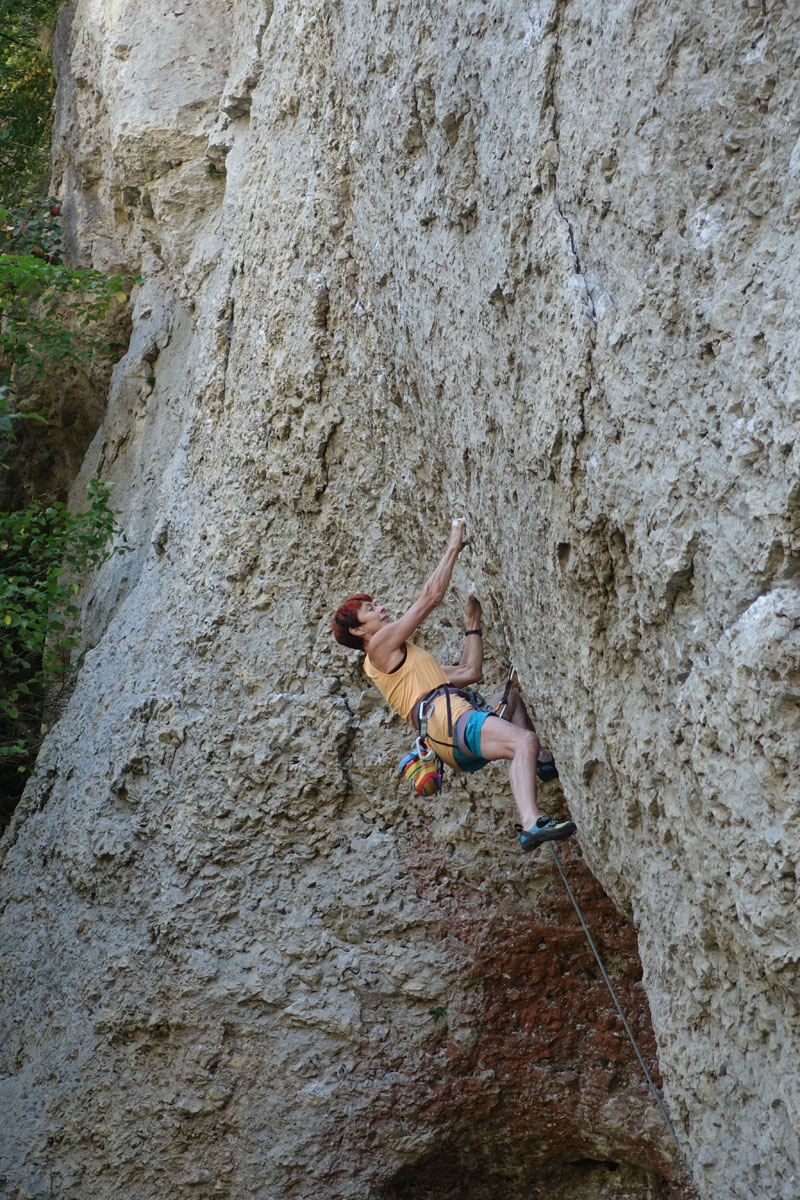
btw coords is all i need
(401, 689)
(418, 675)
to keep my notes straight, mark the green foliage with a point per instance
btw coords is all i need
(49, 314)
(26, 93)
(7, 422)
(33, 226)
(42, 550)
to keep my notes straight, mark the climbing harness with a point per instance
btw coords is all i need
(628, 1030)
(422, 767)
(424, 712)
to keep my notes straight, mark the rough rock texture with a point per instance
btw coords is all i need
(403, 261)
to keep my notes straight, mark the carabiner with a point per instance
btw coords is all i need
(424, 751)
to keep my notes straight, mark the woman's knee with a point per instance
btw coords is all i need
(531, 742)
(501, 739)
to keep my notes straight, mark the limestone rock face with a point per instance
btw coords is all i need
(401, 262)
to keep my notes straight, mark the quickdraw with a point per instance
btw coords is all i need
(503, 705)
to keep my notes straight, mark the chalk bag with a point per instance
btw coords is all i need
(419, 769)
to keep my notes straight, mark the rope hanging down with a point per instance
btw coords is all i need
(642, 1063)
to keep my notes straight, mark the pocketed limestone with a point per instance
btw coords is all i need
(401, 263)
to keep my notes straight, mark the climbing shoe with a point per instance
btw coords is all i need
(547, 770)
(546, 829)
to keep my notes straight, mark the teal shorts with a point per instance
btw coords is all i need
(469, 735)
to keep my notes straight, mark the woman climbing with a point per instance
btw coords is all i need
(421, 691)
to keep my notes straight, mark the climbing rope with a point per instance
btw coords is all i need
(628, 1030)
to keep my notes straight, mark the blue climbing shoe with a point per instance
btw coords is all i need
(547, 770)
(546, 829)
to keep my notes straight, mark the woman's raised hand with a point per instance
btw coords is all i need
(457, 540)
(473, 611)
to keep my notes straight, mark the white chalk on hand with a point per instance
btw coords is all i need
(472, 590)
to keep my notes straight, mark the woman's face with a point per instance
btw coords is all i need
(371, 618)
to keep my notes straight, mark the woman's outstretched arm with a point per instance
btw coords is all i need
(393, 636)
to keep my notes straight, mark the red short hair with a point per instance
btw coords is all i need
(345, 619)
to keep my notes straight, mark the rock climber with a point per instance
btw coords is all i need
(414, 685)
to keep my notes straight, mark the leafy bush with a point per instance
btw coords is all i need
(32, 226)
(49, 314)
(42, 550)
(8, 420)
(26, 93)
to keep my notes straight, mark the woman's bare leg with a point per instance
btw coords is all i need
(517, 714)
(503, 739)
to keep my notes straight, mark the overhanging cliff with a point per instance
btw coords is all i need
(401, 262)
